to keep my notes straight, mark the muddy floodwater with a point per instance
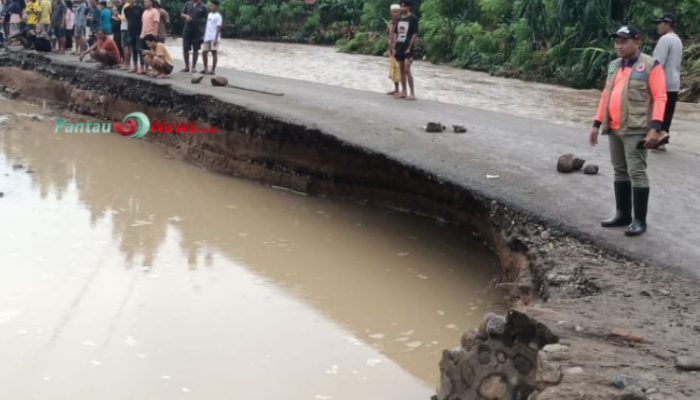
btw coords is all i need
(128, 274)
(323, 64)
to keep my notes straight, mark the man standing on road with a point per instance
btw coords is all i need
(406, 37)
(124, 37)
(32, 11)
(45, 15)
(164, 22)
(394, 68)
(58, 26)
(134, 14)
(95, 17)
(631, 112)
(669, 53)
(195, 15)
(79, 27)
(211, 38)
(149, 24)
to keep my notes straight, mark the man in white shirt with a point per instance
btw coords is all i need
(211, 38)
(669, 53)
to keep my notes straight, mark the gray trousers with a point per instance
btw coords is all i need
(629, 162)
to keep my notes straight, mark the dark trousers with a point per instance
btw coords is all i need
(69, 39)
(670, 110)
(136, 46)
(118, 40)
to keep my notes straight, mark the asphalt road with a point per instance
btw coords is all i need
(520, 151)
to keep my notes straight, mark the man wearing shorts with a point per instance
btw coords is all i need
(406, 32)
(79, 28)
(164, 22)
(669, 53)
(195, 15)
(58, 27)
(45, 15)
(211, 38)
(104, 51)
(124, 37)
(32, 11)
(134, 14)
(157, 57)
(394, 68)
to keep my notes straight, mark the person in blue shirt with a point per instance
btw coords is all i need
(95, 18)
(106, 14)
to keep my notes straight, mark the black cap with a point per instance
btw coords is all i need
(666, 17)
(628, 32)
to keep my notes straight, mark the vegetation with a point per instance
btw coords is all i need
(562, 41)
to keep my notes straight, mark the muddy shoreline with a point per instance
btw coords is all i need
(578, 286)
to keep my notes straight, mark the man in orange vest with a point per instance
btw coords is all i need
(631, 113)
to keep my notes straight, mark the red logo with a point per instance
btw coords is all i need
(128, 128)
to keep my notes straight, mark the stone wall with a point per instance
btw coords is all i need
(499, 361)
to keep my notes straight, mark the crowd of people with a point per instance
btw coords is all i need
(129, 36)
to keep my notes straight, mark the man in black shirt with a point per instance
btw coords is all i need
(133, 15)
(406, 31)
(195, 16)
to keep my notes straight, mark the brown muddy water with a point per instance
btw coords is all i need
(125, 274)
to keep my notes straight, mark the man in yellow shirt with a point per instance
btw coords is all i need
(32, 11)
(45, 15)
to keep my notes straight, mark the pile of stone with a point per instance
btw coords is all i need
(499, 361)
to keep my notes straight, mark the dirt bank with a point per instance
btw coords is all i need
(581, 292)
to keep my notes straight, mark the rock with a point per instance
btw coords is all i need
(196, 78)
(545, 235)
(651, 391)
(553, 348)
(17, 166)
(493, 387)
(459, 129)
(29, 171)
(2, 195)
(591, 169)
(628, 336)
(496, 326)
(501, 357)
(434, 127)
(574, 371)
(578, 329)
(219, 81)
(484, 354)
(522, 364)
(483, 333)
(665, 292)
(623, 381)
(633, 393)
(468, 375)
(569, 163)
(468, 339)
(687, 363)
(547, 373)
(645, 293)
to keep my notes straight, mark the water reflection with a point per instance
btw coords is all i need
(369, 281)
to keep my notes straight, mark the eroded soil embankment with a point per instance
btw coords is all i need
(578, 291)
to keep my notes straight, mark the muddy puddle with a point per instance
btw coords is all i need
(125, 274)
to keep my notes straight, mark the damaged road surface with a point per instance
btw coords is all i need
(621, 308)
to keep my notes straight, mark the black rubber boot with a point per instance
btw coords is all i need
(641, 204)
(623, 200)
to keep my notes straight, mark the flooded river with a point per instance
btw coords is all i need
(125, 274)
(441, 83)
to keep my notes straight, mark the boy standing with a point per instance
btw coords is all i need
(195, 15)
(211, 37)
(406, 37)
(394, 68)
(95, 18)
(45, 15)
